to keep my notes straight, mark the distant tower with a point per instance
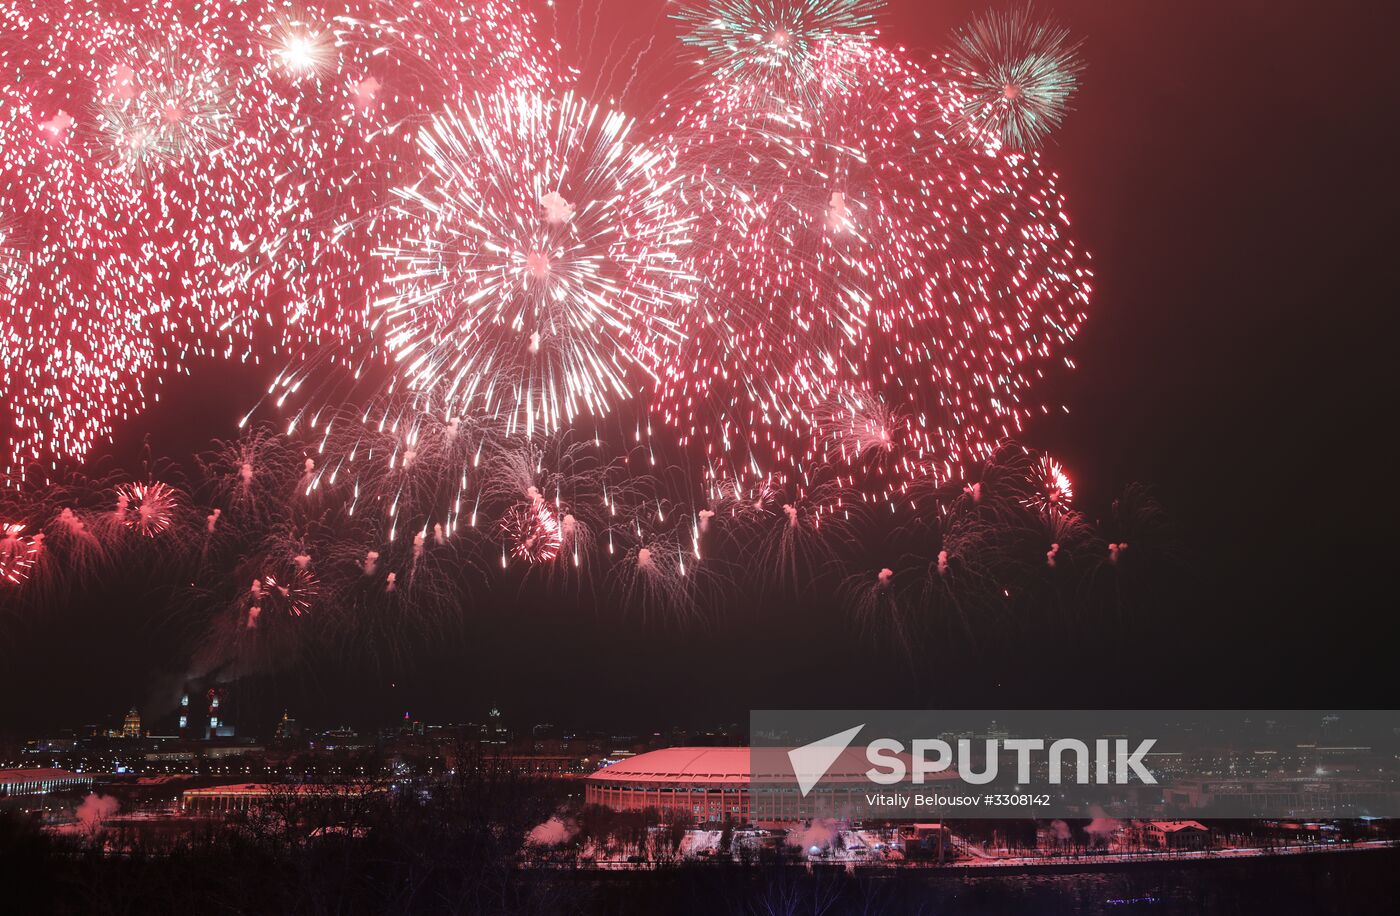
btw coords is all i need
(496, 732)
(217, 717)
(208, 719)
(131, 726)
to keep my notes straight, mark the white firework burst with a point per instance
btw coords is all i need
(166, 105)
(539, 266)
(772, 46)
(1020, 72)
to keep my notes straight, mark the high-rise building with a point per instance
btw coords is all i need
(287, 728)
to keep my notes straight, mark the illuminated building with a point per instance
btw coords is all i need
(693, 783)
(131, 725)
(1172, 834)
(287, 728)
(217, 800)
(41, 780)
(711, 784)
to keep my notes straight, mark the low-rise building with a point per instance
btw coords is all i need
(41, 780)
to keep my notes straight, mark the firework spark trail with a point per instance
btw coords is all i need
(865, 267)
(190, 182)
(656, 575)
(877, 606)
(408, 469)
(252, 477)
(71, 532)
(350, 139)
(796, 228)
(804, 543)
(78, 318)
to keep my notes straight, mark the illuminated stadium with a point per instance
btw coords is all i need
(711, 784)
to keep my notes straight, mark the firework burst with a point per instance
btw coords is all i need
(1019, 74)
(162, 108)
(148, 509)
(290, 590)
(1051, 489)
(806, 270)
(531, 533)
(348, 138)
(18, 553)
(544, 253)
(798, 224)
(769, 48)
(878, 295)
(77, 336)
(199, 180)
(123, 170)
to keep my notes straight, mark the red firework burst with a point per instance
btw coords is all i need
(292, 589)
(200, 179)
(147, 508)
(357, 82)
(872, 280)
(1051, 489)
(18, 554)
(532, 533)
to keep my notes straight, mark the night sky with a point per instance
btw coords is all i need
(1226, 165)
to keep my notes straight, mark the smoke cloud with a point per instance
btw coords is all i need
(551, 833)
(94, 810)
(821, 834)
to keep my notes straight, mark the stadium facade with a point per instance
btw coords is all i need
(712, 785)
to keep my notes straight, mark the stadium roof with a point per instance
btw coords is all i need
(687, 764)
(724, 765)
(37, 774)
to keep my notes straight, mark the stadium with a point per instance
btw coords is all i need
(713, 784)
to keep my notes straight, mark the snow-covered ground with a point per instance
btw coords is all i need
(856, 847)
(700, 844)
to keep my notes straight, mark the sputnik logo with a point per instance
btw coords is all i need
(811, 761)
